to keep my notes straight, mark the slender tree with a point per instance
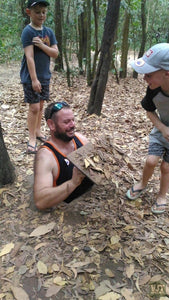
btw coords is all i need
(96, 20)
(144, 35)
(100, 81)
(125, 43)
(82, 30)
(88, 61)
(58, 32)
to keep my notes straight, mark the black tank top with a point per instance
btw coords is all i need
(66, 170)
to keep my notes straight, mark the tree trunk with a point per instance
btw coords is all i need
(82, 27)
(125, 45)
(100, 81)
(144, 35)
(88, 61)
(25, 19)
(58, 32)
(7, 173)
(96, 20)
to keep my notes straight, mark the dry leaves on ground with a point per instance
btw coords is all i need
(100, 246)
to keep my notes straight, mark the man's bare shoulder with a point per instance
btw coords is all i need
(82, 138)
(44, 155)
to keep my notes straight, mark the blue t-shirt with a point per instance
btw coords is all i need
(42, 60)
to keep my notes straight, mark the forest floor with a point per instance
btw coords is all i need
(101, 246)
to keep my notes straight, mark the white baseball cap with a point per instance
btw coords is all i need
(156, 58)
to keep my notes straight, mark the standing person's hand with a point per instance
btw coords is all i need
(37, 41)
(165, 133)
(36, 85)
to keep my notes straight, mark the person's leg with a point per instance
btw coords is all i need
(33, 115)
(148, 171)
(161, 202)
(38, 127)
(164, 181)
(43, 96)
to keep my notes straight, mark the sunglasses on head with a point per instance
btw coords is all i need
(57, 106)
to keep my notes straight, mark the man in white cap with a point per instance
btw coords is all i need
(155, 66)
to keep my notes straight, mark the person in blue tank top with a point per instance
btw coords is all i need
(55, 177)
(39, 45)
(155, 67)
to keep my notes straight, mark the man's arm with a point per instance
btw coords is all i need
(158, 124)
(29, 53)
(45, 195)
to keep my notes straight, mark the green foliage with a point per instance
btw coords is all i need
(11, 24)
(10, 47)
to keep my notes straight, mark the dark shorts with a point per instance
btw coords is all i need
(159, 150)
(30, 96)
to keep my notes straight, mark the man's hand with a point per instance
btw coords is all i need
(77, 176)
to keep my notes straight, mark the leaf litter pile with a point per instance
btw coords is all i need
(101, 246)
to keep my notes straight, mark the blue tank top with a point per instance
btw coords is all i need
(66, 170)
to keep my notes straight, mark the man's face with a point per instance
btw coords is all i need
(64, 125)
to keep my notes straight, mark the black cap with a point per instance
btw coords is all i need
(32, 3)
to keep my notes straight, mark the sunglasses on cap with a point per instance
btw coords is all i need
(58, 106)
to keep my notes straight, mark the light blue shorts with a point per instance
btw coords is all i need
(160, 150)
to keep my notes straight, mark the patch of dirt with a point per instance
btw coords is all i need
(100, 246)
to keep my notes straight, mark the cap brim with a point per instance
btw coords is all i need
(140, 66)
(38, 2)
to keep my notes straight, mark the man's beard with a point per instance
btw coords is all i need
(63, 136)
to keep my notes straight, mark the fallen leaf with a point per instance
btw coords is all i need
(10, 270)
(7, 249)
(53, 290)
(110, 296)
(102, 289)
(144, 279)
(59, 281)
(42, 268)
(55, 268)
(109, 273)
(86, 162)
(38, 246)
(156, 278)
(114, 239)
(127, 294)
(79, 264)
(42, 229)
(130, 270)
(19, 293)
